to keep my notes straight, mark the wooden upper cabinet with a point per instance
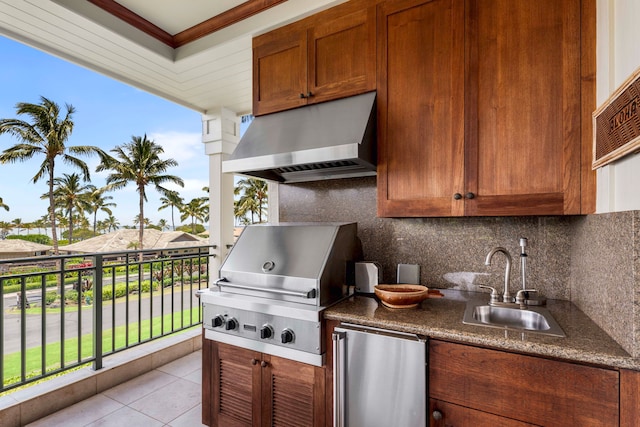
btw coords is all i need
(420, 107)
(327, 56)
(341, 59)
(481, 107)
(522, 111)
(279, 71)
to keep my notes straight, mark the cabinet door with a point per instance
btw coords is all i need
(443, 414)
(235, 384)
(341, 55)
(629, 398)
(279, 70)
(526, 388)
(420, 105)
(292, 394)
(522, 107)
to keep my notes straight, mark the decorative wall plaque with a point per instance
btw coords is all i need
(616, 124)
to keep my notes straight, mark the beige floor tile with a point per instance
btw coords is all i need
(80, 414)
(169, 403)
(171, 353)
(183, 366)
(139, 387)
(126, 416)
(195, 376)
(120, 373)
(191, 418)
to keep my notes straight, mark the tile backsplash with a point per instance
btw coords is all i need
(588, 260)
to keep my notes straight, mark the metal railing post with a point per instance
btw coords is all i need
(97, 312)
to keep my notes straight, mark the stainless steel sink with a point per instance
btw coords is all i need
(533, 319)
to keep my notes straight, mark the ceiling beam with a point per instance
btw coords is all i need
(131, 18)
(211, 25)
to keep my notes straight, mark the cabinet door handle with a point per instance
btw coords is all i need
(303, 96)
(469, 195)
(457, 196)
(437, 415)
(309, 94)
(264, 364)
(254, 362)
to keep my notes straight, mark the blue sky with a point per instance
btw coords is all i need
(108, 113)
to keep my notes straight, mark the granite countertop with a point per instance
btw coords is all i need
(442, 318)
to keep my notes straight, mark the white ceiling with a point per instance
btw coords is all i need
(206, 74)
(173, 17)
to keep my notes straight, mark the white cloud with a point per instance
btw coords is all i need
(191, 185)
(180, 146)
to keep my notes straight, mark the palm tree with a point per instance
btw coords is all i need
(139, 162)
(3, 205)
(70, 194)
(111, 223)
(46, 135)
(5, 227)
(162, 224)
(99, 202)
(196, 209)
(145, 223)
(40, 223)
(17, 224)
(172, 200)
(253, 199)
(27, 226)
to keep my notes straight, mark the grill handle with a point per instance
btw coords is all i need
(302, 294)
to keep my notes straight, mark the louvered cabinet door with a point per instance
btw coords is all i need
(292, 394)
(235, 386)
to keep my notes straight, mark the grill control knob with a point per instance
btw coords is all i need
(218, 321)
(287, 336)
(231, 324)
(266, 331)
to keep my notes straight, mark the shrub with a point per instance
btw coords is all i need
(43, 239)
(71, 296)
(50, 297)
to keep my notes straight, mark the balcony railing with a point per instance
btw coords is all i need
(61, 312)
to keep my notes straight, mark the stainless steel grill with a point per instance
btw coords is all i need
(275, 283)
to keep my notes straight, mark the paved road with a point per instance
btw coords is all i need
(76, 323)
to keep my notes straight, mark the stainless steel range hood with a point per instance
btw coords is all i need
(335, 139)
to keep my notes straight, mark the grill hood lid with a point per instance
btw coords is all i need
(335, 139)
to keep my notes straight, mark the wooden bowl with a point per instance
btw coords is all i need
(401, 296)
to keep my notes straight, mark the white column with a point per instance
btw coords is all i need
(220, 135)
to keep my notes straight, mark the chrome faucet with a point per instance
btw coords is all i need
(523, 261)
(506, 296)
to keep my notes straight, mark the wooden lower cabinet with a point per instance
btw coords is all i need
(245, 388)
(476, 386)
(629, 398)
(444, 414)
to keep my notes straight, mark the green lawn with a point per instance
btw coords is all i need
(75, 352)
